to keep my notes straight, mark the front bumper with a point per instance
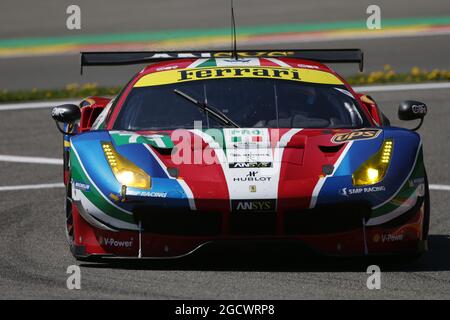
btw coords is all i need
(333, 231)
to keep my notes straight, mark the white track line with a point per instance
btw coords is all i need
(404, 87)
(7, 158)
(32, 186)
(439, 187)
(34, 105)
(61, 185)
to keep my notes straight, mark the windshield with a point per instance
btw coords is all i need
(248, 102)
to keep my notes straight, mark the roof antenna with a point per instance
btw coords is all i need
(233, 32)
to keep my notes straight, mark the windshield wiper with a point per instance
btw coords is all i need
(206, 108)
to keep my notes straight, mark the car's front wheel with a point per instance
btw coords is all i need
(426, 218)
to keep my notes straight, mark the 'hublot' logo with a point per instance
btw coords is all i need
(252, 176)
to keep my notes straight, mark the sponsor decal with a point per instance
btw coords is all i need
(252, 176)
(391, 237)
(250, 155)
(253, 139)
(244, 132)
(166, 68)
(376, 237)
(364, 134)
(253, 205)
(240, 165)
(231, 62)
(205, 73)
(114, 197)
(387, 237)
(111, 242)
(57, 112)
(156, 140)
(244, 145)
(149, 194)
(252, 188)
(247, 136)
(81, 186)
(248, 145)
(355, 191)
(223, 54)
(307, 66)
(419, 109)
(238, 61)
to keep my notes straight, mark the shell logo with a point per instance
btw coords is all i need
(376, 238)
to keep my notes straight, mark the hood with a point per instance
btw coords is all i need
(255, 169)
(283, 165)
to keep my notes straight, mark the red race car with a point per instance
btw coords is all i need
(205, 147)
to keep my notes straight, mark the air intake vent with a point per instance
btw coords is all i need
(331, 149)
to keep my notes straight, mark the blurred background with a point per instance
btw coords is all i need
(38, 51)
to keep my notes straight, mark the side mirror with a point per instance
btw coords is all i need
(66, 113)
(412, 110)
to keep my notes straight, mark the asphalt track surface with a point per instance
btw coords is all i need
(34, 255)
(19, 19)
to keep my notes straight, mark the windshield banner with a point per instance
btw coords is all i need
(184, 75)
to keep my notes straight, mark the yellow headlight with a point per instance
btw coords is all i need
(372, 174)
(373, 170)
(125, 171)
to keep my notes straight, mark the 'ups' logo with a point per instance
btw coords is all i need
(356, 135)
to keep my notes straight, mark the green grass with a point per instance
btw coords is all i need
(72, 91)
(388, 75)
(75, 91)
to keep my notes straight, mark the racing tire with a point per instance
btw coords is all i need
(426, 218)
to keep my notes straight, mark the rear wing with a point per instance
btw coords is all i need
(141, 57)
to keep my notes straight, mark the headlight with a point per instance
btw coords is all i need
(125, 171)
(373, 170)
